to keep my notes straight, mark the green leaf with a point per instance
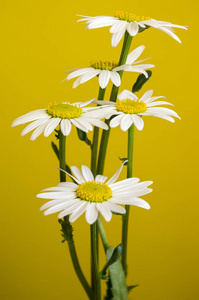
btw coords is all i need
(117, 276)
(123, 159)
(67, 229)
(113, 258)
(109, 295)
(83, 136)
(141, 80)
(132, 287)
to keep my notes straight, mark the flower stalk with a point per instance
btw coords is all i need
(125, 217)
(68, 232)
(113, 98)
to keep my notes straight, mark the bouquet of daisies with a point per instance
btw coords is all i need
(88, 190)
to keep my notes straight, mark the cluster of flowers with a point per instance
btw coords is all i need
(89, 194)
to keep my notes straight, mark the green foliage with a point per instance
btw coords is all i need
(83, 136)
(123, 159)
(56, 151)
(109, 294)
(113, 258)
(141, 80)
(117, 277)
(67, 229)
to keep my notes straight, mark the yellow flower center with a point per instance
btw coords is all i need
(103, 65)
(93, 191)
(64, 111)
(129, 106)
(130, 17)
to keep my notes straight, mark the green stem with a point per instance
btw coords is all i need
(97, 277)
(95, 138)
(113, 98)
(102, 233)
(127, 207)
(70, 240)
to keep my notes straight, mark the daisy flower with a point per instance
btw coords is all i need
(129, 109)
(93, 195)
(124, 21)
(65, 114)
(106, 70)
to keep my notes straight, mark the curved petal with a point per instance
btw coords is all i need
(78, 174)
(65, 127)
(78, 72)
(78, 211)
(105, 211)
(89, 75)
(132, 28)
(104, 78)
(116, 175)
(126, 94)
(146, 95)
(116, 37)
(116, 121)
(135, 54)
(91, 213)
(137, 120)
(35, 124)
(52, 124)
(88, 175)
(115, 78)
(126, 122)
(100, 178)
(114, 207)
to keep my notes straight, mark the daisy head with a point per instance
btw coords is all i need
(94, 195)
(124, 21)
(108, 70)
(64, 114)
(129, 110)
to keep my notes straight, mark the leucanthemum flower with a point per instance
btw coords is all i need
(124, 21)
(65, 114)
(94, 195)
(107, 70)
(129, 109)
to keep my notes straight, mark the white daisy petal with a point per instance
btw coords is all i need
(105, 211)
(78, 211)
(88, 175)
(38, 131)
(32, 116)
(126, 122)
(100, 178)
(114, 207)
(65, 127)
(116, 175)
(146, 95)
(115, 78)
(77, 82)
(132, 28)
(116, 121)
(135, 54)
(58, 207)
(78, 73)
(117, 26)
(78, 125)
(125, 94)
(137, 120)
(33, 125)
(158, 103)
(78, 174)
(91, 213)
(116, 37)
(52, 124)
(70, 209)
(89, 75)
(104, 77)
(50, 204)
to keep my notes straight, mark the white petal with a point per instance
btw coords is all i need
(116, 121)
(169, 32)
(70, 209)
(137, 120)
(91, 213)
(77, 82)
(131, 201)
(115, 78)
(58, 207)
(38, 131)
(132, 28)
(154, 98)
(100, 178)
(34, 125)
(119, 186)
(126, 122)
(158, 103)
(78, 174)
(104, 78)
(125, 94)
(78, 125)
(105, 211)
(98, 123)
(52, 124)
(116, 37)
(65, 127)
(116, 175)
(31, 116)
(88, 175)
(135, 54)
(117, 26)
(78, 73)
(56, 195)
(146, 95)
(67, 184)
(114, 207)
(50, 204)
(89, 75)
(78, 211)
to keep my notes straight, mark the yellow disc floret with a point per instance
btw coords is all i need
(64, 111)
(93, 191)
(103, 65)
(129, 106)
(130, 17)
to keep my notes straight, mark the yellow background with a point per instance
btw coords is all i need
(39, 41)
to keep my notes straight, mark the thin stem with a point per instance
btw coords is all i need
(127, 207)
(97, 277)
(95, 138)
(102, 233)
(70, 240)
(113, 98)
